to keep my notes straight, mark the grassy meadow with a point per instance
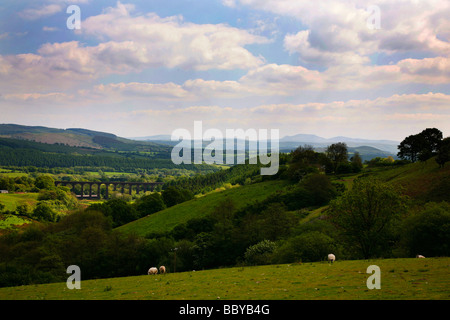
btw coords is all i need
(11, 200)
(401, 279)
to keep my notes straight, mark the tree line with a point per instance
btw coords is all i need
(34, 158)
(425, 145)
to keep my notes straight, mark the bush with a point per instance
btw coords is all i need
(260, 253)
(428, 232)
(150, 204)
(308, 246)
(173, 196)
(44, 182)
(344, 168)
(120, 211)
(44, 212)
(320, 188)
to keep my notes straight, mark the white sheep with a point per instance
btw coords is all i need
(162, 270)
(331, 257)
(152, 270)
(420, 256)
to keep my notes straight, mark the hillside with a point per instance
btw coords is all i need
(77, 137)
(118, 156)
(423, 181)
(167, 219)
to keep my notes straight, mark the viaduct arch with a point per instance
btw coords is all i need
(140, 186)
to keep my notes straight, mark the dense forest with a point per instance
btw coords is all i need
(22, 153)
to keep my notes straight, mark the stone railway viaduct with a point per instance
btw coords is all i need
(140, 186)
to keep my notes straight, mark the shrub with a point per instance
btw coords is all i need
(260, 253)
(150, 204)
(428, 232)
(173, 196)
(44, 212)
(308, 246)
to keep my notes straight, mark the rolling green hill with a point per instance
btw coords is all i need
(423, 181)
(167, 219)
(75, 137)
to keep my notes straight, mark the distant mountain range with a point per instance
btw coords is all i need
(367, 148)
(389, 146)
(78, 137)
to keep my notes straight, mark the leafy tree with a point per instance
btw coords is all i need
(44, 212)
(337, 153)
(319, 188)
(260, 253)
(409, 148)
(430, 140)
(275, 222)
(421, 146)
(150, 204)
(120, 211)
(344, 168)
(356, 162)
(304, 160)
(443, 154)
(44, 182)
(173, 196)
(366, 214)
(308, 246)
(428, 231)
(23, 209)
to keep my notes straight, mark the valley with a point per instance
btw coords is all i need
(215, 220)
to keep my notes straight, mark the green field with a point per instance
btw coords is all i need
(167, 219)
(11, 200)
(401, 279)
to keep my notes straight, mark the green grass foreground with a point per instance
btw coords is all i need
(401, 279)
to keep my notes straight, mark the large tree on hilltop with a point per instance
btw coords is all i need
(422, 146)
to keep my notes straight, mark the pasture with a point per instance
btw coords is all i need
(401, 279)
(12, 200)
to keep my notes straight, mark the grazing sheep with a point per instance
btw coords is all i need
(162, 270)
(152, 270)
(420, 256)
(331, 257)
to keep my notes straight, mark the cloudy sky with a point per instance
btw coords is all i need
(140, 68)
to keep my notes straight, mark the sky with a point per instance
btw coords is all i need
(364, 69)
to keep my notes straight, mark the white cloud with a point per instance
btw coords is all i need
(173, 43)
(49, 29)
(42, 12)
(34, 97)
(128, 44)
(337, 33)
(167, 91)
